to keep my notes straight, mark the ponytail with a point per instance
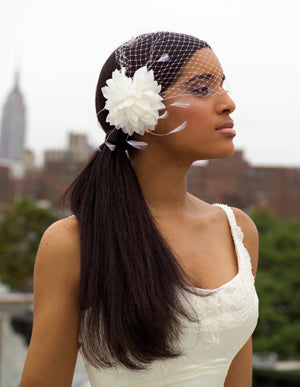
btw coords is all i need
(129, 306)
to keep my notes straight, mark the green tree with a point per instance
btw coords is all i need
(21, 228)
(277, 284)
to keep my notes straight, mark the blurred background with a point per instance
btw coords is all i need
(51, 56)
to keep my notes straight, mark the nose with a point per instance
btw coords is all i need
(225, 104)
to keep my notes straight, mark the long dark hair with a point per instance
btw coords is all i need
(130, 306)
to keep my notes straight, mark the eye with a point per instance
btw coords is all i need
(200, 90)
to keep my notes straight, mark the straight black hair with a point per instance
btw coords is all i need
(130, 298)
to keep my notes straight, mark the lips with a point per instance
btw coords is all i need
(227, 128)
(228, 124)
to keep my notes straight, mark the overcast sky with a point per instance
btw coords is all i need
(61, 45)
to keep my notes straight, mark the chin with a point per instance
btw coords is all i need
(218, 153)
(226, 153)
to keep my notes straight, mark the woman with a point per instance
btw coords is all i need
(153, 285)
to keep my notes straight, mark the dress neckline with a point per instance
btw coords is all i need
(209, 290)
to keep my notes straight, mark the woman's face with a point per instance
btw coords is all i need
(209, 129)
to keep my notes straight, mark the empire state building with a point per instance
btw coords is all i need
(13, 125)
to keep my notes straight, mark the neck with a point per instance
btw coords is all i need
(162, 180)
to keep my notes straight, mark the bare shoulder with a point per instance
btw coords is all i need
(56, 308)
(60, 249)
(251, 240)
(66, 230)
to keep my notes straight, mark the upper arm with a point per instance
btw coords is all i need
(240, 370)
(54, 344)
(251, 241)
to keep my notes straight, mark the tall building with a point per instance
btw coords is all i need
(13, 125)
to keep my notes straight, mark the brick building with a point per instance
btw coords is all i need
(78, 150)
(62, 166)
(56, 178)
(235, 182)
(5, 186)
(46, 184)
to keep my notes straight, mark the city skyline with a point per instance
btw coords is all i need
(59, 65)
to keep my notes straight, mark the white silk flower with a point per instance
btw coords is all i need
(133, 103)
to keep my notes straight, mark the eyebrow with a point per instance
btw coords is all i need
(202, 76)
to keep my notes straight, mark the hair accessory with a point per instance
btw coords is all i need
(133, 103)
(164, 58)
(110, 146)
(156, 73)
(115, 138)
(177, 129)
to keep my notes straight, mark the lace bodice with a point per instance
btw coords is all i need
(227, 319)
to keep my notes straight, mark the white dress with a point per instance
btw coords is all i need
(227, 319)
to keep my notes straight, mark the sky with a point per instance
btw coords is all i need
(59, 46)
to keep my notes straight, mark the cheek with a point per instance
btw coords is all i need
(197, 115)
(199, 119)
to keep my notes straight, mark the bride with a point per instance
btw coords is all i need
(152, 285)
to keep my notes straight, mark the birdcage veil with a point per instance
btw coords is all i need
(147, 80)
